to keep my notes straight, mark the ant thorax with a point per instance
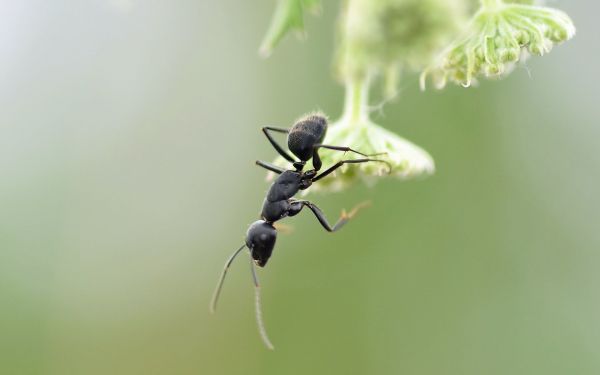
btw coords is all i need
(306, 179)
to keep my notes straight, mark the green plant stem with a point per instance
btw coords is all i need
(356, 105)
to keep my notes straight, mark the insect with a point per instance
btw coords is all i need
(304, 141)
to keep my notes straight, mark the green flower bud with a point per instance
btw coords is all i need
(496, 38)
(407, 160)
(376, 34)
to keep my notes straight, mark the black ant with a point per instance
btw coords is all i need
(304, 141)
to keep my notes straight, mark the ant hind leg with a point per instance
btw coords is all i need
(270, 167)
(344, 217)
(347, 149)
(276, 146)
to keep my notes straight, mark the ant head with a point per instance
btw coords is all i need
(260, 239)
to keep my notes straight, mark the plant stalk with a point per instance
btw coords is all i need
(356, 104)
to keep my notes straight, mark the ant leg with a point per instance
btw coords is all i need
(354, 161)
(258, 311)
(274, 143)
(271, 167)
(316, 159)
(213, 302)
(346, 149)
(296, 206)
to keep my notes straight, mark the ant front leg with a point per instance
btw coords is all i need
(278, 148)
(353, 161)
(296, 207)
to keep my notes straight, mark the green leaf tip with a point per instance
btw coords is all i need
(288, 16)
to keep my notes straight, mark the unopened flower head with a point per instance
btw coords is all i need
(499, 35)
(380, 37)
(407, 160)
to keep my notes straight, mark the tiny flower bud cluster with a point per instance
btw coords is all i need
(407, 159)
(498, 37)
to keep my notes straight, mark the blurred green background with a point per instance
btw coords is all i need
(128, 132)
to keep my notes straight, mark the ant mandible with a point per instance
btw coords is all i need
(304, 141)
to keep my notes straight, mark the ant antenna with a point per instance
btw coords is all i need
(258, 311)
(215, 298)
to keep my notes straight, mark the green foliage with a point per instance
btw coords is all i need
(288, 16)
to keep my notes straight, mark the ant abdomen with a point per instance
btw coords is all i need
(307, 132)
